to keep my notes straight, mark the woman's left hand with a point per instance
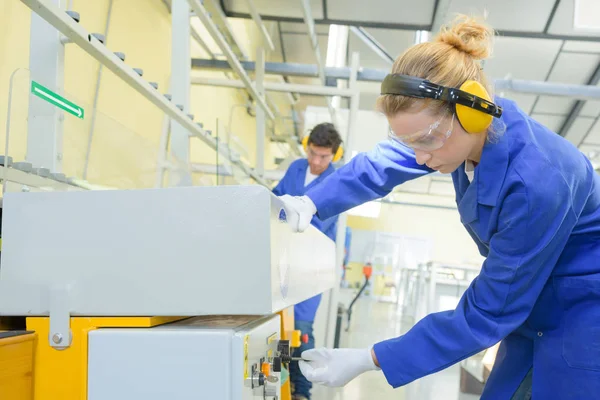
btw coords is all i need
(336, 367)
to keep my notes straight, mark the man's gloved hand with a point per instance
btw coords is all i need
(299, 211)
(336, 367)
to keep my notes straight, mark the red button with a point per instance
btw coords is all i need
(305, 338)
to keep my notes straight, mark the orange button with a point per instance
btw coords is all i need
(266, 368)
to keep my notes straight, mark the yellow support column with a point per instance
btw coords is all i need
(62, 374)
(287, 329)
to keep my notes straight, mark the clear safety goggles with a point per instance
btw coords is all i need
(320, 157)
(428, 139)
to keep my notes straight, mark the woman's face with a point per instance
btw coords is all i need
(437, 140)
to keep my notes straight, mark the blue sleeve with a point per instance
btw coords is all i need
(366, 177)
(279, 190)
(281, 187)
(532, 231)
(328, 226)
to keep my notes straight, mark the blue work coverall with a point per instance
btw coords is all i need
(533, 209)
(304, 312)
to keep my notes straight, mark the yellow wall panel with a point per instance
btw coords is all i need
(127, 126)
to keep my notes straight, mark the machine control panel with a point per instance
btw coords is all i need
(213, 357)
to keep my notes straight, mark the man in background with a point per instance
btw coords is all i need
(323, 143)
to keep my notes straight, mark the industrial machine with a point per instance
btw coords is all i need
(160, 292)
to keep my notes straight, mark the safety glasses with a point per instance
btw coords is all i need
(310, 153)
(429, 139)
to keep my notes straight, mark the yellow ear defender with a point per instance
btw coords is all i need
(336, 157)
(472, 103)
(471, 119)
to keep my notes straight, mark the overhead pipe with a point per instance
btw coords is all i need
(581, 92)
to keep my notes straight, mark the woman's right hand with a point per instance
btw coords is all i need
(299, 211)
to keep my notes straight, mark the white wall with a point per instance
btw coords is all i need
(450, 241)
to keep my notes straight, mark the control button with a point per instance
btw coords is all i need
(266, 368)
(305, 338)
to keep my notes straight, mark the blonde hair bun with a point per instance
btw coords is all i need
(469, 35)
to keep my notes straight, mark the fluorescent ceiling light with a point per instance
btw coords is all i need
(421, 37)
(585, 15)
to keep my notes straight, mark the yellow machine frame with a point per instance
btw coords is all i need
(62, 374)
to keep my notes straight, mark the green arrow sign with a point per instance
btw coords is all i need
(56, 99)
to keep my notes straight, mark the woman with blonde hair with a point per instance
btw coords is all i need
(529, 199)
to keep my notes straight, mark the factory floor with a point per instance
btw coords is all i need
(373, 321)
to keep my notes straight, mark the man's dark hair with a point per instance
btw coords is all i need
(325, 135)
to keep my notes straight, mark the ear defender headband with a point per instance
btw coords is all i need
(472, 104)
(336, 157)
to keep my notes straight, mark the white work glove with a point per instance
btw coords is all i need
(336, 367)
(299, 211)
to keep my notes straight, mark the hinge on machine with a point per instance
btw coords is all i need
(60, 336)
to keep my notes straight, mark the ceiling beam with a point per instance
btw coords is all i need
(572, 115)
(440, 10)
(409, 27)
(551, 16)
(268, 42)
(372, 43)
(417, 27)
(550, 36)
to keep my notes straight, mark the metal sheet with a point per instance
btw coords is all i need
(531, 15)
(177, 251)
(178, 361)
(392, 11)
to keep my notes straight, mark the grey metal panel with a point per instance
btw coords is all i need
(519, 15)
(394, 42)
(280, 8)
(554, 105)
(299, 50)
(522, 58)
(553, 122)
(296, 27)
(591, 47)
(579, 129)
(593, 136)
(176, 251)
(574, 68)
(178, 361)
(392, 11)
(591, 108)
